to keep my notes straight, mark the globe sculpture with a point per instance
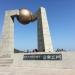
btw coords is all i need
(25, 16)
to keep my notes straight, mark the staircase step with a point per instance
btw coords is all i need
(5, 61)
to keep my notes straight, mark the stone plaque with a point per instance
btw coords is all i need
(43, 57)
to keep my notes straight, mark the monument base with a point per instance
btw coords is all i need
(18, 66)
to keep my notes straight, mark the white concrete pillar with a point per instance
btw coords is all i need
(7, 43)
(44, 37)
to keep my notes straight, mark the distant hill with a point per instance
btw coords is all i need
(18, 51)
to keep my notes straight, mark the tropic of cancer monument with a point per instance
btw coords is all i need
(25, 16)
(44, 62)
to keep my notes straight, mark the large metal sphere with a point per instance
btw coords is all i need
(25, 16)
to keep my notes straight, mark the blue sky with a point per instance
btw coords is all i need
(61, 19)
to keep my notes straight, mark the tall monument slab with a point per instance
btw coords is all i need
(7, 42)
(44, 37)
